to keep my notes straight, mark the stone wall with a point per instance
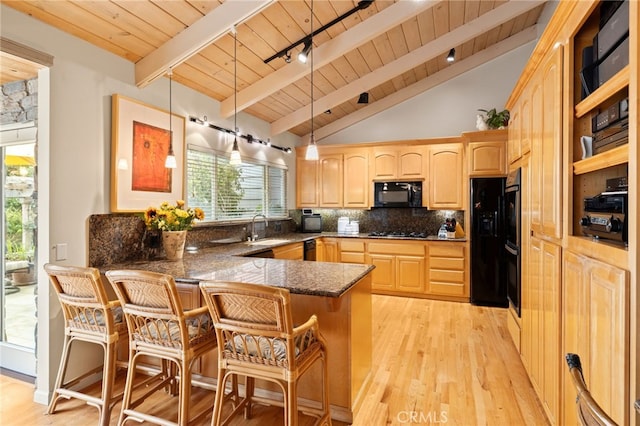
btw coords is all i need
(19, 101)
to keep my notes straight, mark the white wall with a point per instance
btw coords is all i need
(446, 110)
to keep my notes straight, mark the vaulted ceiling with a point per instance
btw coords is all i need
(393, 50)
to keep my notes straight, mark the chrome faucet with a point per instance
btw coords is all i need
(254, 236)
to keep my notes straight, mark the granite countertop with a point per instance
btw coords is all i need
(226, 260)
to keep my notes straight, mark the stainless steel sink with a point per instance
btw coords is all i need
(267, 242)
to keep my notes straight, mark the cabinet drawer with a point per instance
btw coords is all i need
(397, 248)
(446, 250)
(357, 246)
(447, 276)
(447, 289)
(456, 264)
(350, 257)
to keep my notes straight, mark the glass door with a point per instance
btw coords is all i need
(18, 240)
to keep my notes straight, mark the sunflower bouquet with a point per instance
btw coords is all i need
(172, 218)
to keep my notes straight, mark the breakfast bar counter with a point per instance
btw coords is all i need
(338, 294)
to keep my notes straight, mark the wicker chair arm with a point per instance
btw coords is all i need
(192, 313)
(310, 324)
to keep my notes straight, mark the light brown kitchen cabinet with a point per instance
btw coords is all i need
(357, 184)
(352, 250)
(327, 250)
(330, 180)
(541, 323)
(400, 266)
(487, 153)
(514, 147)
(307, 194)
(595, 313)
(294, 251)
(447, 178)
(398, 162)
(447, 270)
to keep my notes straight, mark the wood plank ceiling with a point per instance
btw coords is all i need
(392, 49)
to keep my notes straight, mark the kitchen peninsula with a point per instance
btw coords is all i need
(338, 294)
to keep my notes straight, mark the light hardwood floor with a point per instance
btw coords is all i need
(434, 363)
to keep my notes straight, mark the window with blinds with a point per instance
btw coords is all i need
(226, 192)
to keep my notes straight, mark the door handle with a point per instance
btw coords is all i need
(513, 251)
(637, 405)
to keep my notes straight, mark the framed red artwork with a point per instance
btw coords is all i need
(139, 147)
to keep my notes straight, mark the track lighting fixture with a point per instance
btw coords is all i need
(170, 162)
(249, 138)
(362, 4)
(364, 98)
(287, 57)
(304, 53)
(451, 56)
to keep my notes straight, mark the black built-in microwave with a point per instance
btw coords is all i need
(397, 194)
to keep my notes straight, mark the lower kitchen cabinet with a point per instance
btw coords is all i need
(447, 269)
(595, 317)
(327, 250)
(400, 266)
(293, 251)
(541, 323)
(352, 251)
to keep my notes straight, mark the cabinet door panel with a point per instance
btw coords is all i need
(306, 183)
(385, 163)
(551, 264)
(487, 159)
(410, 164)
(608, 336)
(446, 177)
(330, 181)
(383, 276)
(410, 274)
(551, 167)
(357, 184)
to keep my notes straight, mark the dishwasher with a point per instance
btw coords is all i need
(310, 250)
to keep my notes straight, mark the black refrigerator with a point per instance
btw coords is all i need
(488, 268)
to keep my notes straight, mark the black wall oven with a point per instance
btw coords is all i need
(512, 238)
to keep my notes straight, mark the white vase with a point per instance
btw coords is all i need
(173, 244)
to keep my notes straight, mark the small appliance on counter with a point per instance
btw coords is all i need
(311, 222)
(347, 227)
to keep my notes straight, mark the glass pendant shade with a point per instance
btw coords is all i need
(312, 151)
(170, 162)
(235, 159)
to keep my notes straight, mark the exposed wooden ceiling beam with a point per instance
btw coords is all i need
(407, 62)
(367, 30)
(458, 68)
(195, 38)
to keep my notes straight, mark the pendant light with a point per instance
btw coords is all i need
(235, 159)
(312, 148)
(170, 162)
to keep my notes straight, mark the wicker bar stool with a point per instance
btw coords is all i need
(257, 339)
(90, 317)
(160, 328)
(589, 412)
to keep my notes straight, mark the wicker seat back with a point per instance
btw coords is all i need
(91, 317)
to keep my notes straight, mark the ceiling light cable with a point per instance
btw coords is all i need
(312, 149)
(235, 159)
(170, 162)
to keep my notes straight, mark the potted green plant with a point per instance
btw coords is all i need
(495, 119)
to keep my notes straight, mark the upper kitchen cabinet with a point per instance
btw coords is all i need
(339, 178)
(357, 185)
(486, 153)
(392, 162)
(330, 180)
(447, 179)
(306, 181)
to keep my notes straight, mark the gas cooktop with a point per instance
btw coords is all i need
(398, 234)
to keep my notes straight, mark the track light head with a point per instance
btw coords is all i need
(451, 56)
(364, 98)
(304, 53)
(287, 57)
